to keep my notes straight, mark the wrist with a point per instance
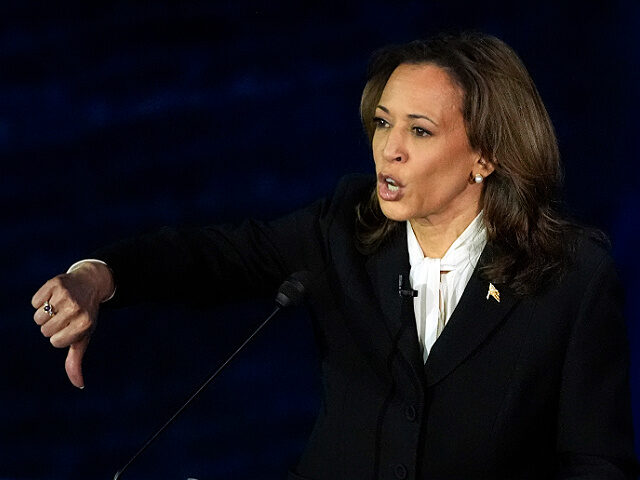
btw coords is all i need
(99, 274)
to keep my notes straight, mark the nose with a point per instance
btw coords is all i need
(394, 149)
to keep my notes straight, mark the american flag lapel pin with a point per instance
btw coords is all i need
(493, 292)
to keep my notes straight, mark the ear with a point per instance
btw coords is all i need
(484, 167)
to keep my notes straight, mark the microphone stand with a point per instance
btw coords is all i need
(291, 292)
(200, 389)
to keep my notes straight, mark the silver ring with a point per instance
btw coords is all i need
(48, 308)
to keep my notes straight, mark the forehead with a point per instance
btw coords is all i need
(424, 87)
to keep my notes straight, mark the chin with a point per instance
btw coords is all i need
(393, 211)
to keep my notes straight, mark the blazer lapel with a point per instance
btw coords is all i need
(384, 268)
(381, 322)
(471, 322)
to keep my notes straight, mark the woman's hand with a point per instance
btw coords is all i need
(67, 310)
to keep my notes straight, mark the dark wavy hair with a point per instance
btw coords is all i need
(508, 124)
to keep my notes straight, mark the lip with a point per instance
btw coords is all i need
(385, 193)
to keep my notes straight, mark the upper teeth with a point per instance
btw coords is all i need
(391, 184)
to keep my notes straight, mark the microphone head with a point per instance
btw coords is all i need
(292, 290)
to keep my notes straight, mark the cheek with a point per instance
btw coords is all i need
(448, 170)
(375, 148)
(438, 184)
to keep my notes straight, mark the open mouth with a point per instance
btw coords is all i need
(389, 188)
(391, 184)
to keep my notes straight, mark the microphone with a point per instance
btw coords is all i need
(290, 293)
(292, 290)
(405, 292)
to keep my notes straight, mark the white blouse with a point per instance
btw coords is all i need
(438, 292)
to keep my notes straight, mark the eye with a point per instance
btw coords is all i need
(421, 132)
(380, 123)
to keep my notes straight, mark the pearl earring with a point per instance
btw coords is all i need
(478, 178)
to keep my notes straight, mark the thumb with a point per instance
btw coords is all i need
(73, 363)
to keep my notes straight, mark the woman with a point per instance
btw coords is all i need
(465, 329)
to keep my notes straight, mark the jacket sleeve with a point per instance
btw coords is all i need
(215, 263)
(226, 263)
(595, 433)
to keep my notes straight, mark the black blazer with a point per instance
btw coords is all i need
(533, 387)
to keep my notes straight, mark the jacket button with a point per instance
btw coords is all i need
(400, 471)
(410, 413)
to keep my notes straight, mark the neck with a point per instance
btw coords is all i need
(436, 235)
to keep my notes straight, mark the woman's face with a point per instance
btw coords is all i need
(421, 150)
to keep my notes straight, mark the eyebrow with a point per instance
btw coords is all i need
(411, 115)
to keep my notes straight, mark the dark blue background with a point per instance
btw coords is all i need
(120, 117)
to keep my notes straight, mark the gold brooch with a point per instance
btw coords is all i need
(493, 292)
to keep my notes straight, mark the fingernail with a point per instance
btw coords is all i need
(81, 388)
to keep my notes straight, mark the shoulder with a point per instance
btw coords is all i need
(354, 188)
(591, 270)
(587, 254)
(350, 191)
(324, 220)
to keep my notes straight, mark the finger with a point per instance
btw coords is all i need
(73, 363)
(41, 317)
(44, 293)
(58, 300)
(52, 292)
(74, 331)
(57, 304)
(53, 325)
(65, 312)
